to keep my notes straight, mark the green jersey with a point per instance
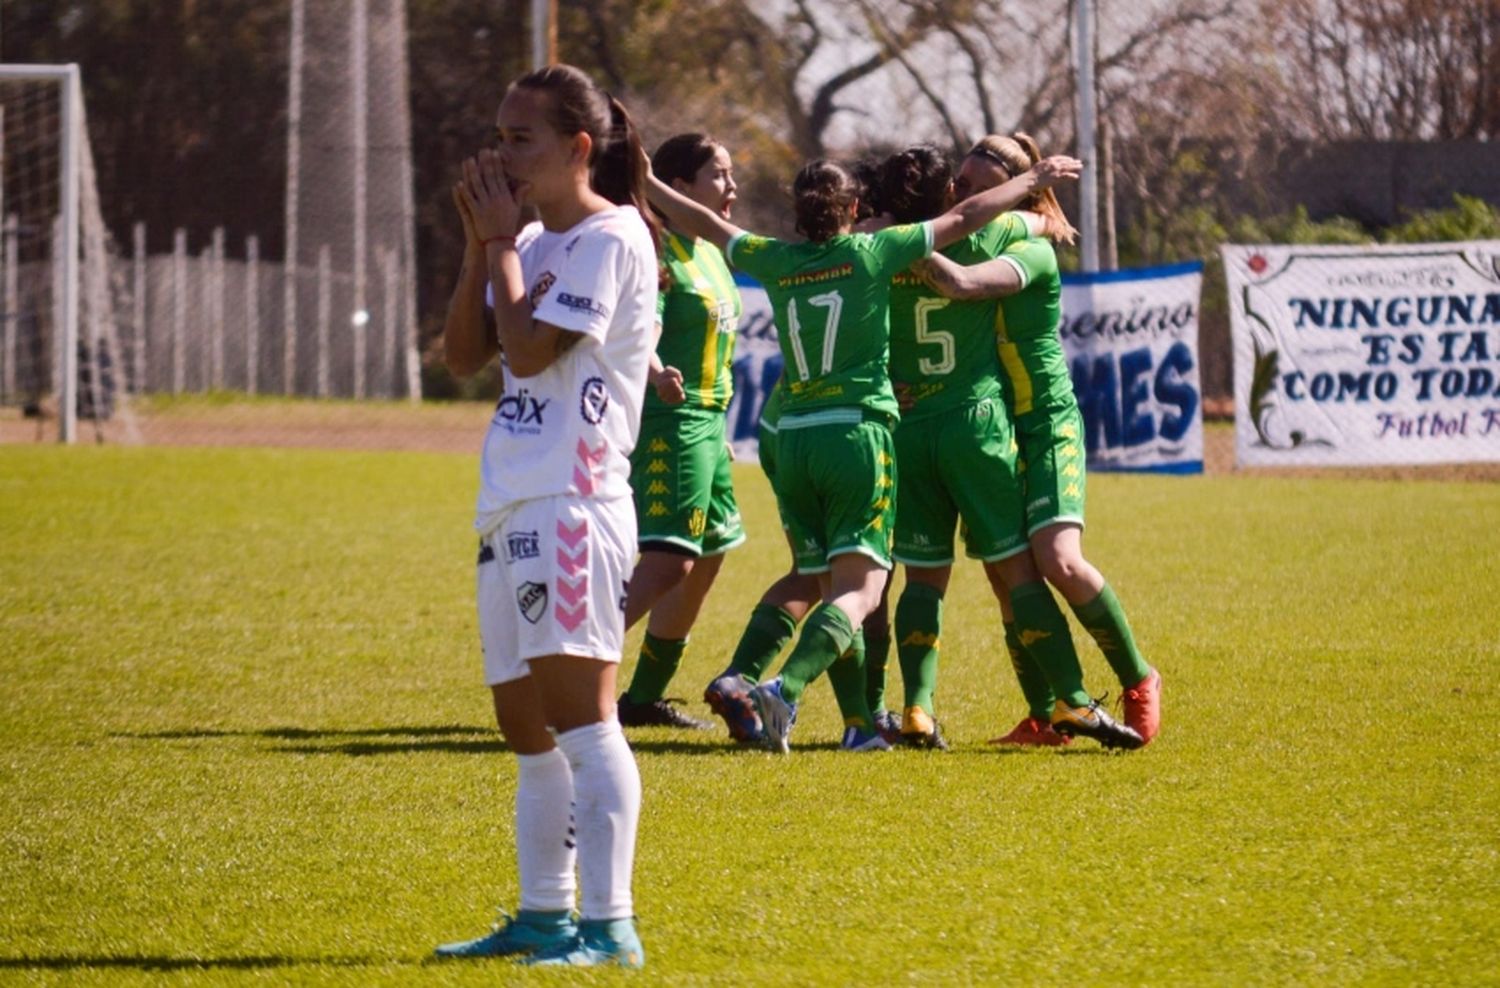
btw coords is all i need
(699, 311)
(1030, 349)
(942, 350)
(831, 302)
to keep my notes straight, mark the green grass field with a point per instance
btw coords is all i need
(245, 738)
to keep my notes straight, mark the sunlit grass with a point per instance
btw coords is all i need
(244, 735)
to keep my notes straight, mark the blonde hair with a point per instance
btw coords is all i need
(1016, 154)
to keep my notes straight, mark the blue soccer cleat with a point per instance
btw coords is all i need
(729, 697)
(888, 723)
(525, 933)
(597, 942)
(776, 715)
(858, 739)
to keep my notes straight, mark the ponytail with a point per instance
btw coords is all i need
(823, 190)
(618, 171)
(914, 183)
(1016, 155)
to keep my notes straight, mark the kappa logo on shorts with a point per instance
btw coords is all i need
(521, 545)
(532, 598)
(542, 287)
(593, 401)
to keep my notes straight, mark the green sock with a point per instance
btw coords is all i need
(877, 657)
(659, 660)
(1034, 685)
(826, 635)
(767, 632)
(919, 619)
(1043, 632)
(847, 677)
(1104, 618)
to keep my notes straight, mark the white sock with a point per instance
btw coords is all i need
(544, 831)
(607, 809)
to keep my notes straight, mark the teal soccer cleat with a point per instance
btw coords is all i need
(597, 942)
(525, 933)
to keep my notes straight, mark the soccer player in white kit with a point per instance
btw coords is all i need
(573, 307)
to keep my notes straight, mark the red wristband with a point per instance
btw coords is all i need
(493, 240)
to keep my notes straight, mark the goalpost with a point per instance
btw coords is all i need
(58, 344)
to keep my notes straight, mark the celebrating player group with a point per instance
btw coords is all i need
(924, 392)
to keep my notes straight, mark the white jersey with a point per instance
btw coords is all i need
(570, 429)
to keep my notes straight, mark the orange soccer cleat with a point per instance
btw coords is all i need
(1143, 707)
(1034, 733)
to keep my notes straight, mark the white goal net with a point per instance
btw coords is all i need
(61, 353)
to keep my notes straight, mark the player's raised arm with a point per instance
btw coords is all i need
(989, 279)
(469, 340)
(530, 345)
(974, 212)
(692, 218)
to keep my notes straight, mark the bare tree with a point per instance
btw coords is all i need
(1388, 69)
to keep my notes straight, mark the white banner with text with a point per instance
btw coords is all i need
(1353, 356)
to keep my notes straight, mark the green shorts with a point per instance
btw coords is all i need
(684, 496)
(1053, 459)
(765, 446)
(836, 484)
(958, 465)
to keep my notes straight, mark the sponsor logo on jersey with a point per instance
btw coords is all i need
(723, 316)
(542, 287)
(568, 250)
(593, 401)
(532, 599)
(521, 545)
(582, 303)
(835, 273)
(521, 412)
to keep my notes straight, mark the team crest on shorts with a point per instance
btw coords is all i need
(532, 599)
(696, 522)
(593, 402)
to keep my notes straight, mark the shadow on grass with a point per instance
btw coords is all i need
(364, 749)
(76, 962)
(448, 739)
(303, 733)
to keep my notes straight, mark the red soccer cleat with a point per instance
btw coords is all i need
(1034, 733)
(1143, 707)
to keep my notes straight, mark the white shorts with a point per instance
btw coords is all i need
(552, 581)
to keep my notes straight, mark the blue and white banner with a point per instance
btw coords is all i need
(1131, 338)
(1351, 356)
(757, 366)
